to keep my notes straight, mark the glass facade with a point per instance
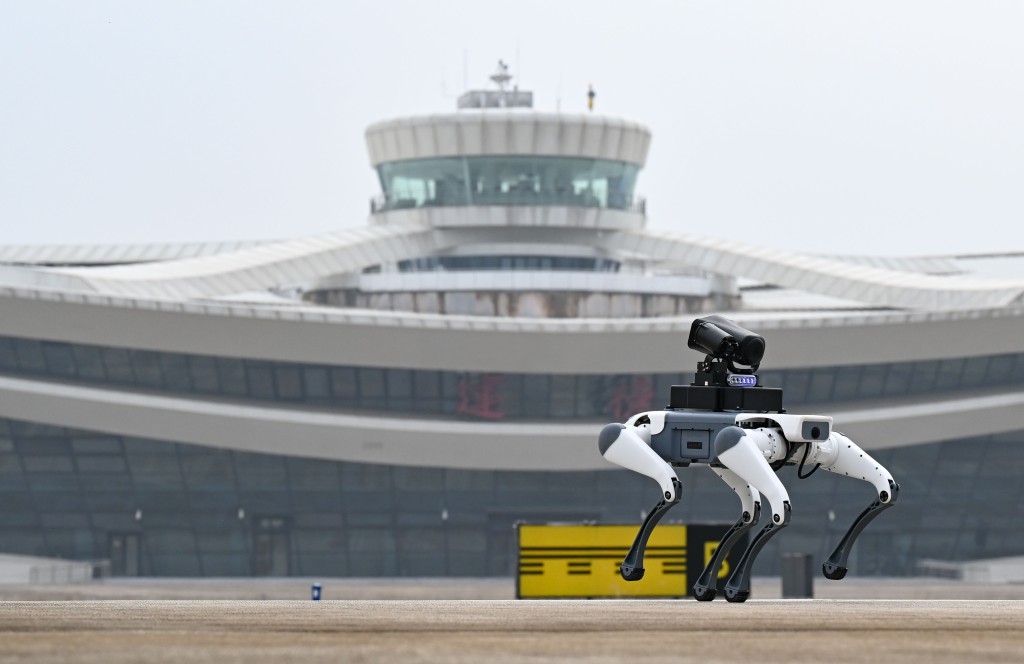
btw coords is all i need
(529, 180)
(457, 263)
(170, 509)
(479, 396)
(164, 508)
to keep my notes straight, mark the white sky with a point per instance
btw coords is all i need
(880, 127)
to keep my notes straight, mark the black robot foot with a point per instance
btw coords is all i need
(631, 573)
(704, 594)
(737, 596)
(834, 572)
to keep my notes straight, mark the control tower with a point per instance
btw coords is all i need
(522, 195)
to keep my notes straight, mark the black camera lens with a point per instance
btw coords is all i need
(711, 339)
(751, 350)
(722, 338)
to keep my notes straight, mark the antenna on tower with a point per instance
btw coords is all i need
(501, 75)
(505, 96)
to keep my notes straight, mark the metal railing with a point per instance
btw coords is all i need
(380, 203)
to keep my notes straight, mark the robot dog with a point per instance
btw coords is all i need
(729, 422)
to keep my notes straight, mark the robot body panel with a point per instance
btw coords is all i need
(797, 428)
(687, 436)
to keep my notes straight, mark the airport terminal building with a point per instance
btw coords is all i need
(391, 399)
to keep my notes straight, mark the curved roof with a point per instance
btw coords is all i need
(297, 261)
(831, 277)
(353, 337)
(507, 132)
(113, 254)
(254, 268)
(185, 306)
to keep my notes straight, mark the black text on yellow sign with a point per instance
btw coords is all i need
(583, 561)
(557, 560)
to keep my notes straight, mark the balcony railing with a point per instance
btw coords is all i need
(636, 204)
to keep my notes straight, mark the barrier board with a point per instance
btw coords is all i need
(573, 561)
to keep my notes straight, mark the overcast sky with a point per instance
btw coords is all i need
(839, 127)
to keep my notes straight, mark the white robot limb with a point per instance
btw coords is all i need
(841, 455)
(745, 436)
(748, 453)
(630, 448)
(705, 588)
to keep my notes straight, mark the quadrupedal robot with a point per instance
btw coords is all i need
(727, 421)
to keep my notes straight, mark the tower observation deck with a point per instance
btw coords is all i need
(496, 150)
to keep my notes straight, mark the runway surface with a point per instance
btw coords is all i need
(447, 630)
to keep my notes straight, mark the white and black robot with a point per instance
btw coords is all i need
(727, 421)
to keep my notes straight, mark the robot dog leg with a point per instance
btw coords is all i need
(630, 448)
(748, 453)
(705, 587)
(842, 456)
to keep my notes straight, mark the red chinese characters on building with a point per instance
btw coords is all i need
(630, 396)
(479, 397)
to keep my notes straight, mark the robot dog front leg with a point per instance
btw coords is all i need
(629, 447)
(747, 453)
(705, 589)
(842, 456)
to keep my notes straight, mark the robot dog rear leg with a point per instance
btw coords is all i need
(705, 589)
(842, 456)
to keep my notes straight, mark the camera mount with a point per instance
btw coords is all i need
(720, 382)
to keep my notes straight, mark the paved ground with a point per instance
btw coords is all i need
(852, 587)
(473, 620)
(225, 631)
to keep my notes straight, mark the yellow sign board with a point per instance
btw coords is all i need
(583, 561)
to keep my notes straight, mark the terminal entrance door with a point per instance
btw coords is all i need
(270, 547)
(124, 554)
